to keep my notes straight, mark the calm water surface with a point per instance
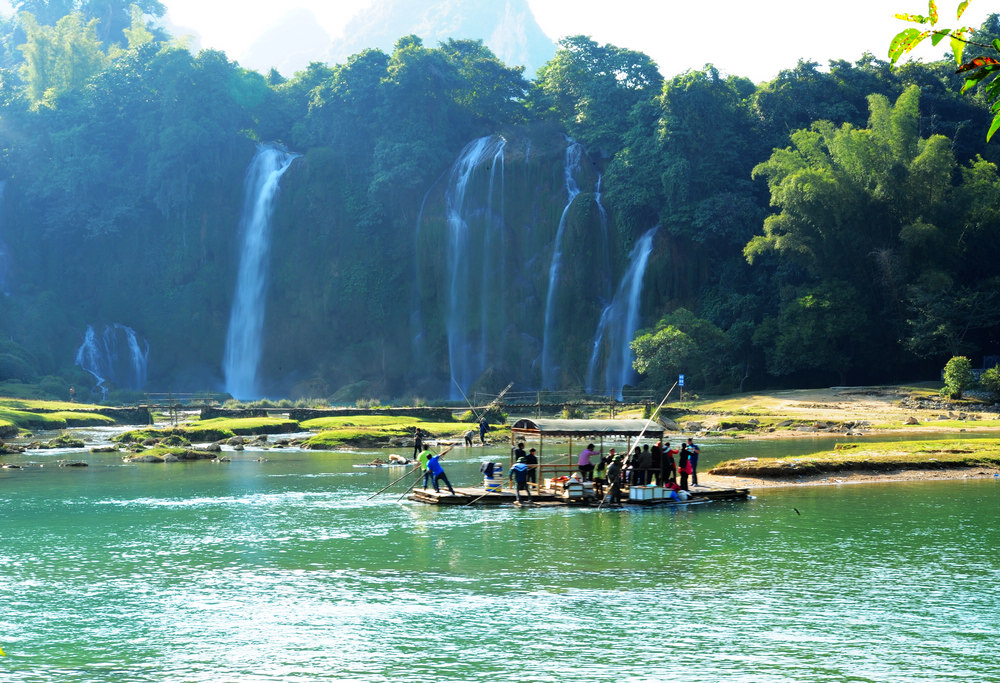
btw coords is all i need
(282, 571)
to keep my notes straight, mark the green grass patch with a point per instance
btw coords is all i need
(45, 406)
(215, 429)
(26, 420)
(388, 421)
(369, 432)
(246, 426)
(8, 429)
(75, 419)
(872, 457)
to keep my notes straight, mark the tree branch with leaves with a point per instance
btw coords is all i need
(977, 71)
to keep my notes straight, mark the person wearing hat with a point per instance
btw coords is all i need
(519, 474)
(614, 476)
(531, 460)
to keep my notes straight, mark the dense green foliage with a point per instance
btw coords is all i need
(990, 379)
(829, 225)
(958, 376)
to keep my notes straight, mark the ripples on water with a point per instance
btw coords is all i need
(283, 571)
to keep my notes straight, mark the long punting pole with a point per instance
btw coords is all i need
(638, 438)
(417, 467)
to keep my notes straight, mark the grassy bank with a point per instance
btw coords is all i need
(365, 431)
(871, 458)
(216, 429)
(834, 410)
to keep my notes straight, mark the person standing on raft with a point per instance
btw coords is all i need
(434, 467)
(519, 475)
(693, 452)
(422, 463)
(614, 476)
(584, 465)
(531, 460)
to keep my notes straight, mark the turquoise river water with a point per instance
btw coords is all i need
(283, 570)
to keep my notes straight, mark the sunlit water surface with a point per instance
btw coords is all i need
(284, 570)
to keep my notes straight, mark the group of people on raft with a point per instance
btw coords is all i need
(659, 465)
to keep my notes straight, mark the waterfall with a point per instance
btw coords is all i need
(619, 322)
(605, 241)
(468, 353)
(4, 252)
(246, 320)
(574, 154)
(116, 356)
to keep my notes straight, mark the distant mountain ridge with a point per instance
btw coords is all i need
(288, 46)
(507, 27)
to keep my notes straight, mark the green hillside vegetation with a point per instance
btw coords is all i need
(834, 225)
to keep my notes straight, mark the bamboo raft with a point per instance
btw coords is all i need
(546, 498)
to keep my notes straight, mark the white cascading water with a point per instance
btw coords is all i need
(241, 360)
(619, 322)
(574, 155)
(467, 358)
(116, 356)
(4, 252)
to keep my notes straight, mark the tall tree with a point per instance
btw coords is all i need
(60, 58)
(592, 88)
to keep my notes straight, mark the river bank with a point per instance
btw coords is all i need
(848, 477)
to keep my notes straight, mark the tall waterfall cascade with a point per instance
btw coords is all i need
(117, 356)
(468, 227)
(618, 324)
(4, 251)
(574, 155)
(244, 347)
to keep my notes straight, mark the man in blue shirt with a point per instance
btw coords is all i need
(434, 467)
(519, 473)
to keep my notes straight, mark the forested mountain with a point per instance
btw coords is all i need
(507, 27)
(410, 222)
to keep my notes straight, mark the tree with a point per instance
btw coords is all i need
(819, 330)
(981, 70)
(958, 376)
(683, 343)
(61, 58)
(591, 89)
(990, 379)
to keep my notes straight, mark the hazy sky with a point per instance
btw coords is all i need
(754, 39)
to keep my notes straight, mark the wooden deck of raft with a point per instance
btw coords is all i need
(474, 496)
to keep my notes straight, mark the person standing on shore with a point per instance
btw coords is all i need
(418, 442)
(483, 426)
(693, 452)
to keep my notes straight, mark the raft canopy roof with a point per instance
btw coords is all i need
(574, 428)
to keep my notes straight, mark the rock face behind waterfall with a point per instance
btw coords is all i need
(361, 291)
(349, 294)
(508, 253)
